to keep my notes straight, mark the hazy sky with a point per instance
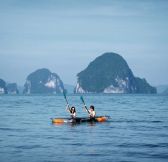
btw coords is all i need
(65, 35)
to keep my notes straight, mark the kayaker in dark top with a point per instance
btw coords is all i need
(72, 111)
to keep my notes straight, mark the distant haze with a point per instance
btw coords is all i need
(66, 35)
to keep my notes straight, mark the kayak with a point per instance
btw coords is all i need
(80, 119)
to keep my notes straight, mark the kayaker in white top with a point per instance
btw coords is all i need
(72, 111)
(92, 112)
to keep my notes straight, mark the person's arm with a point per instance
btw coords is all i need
(67, 108)
(90, 113)
(84, 109)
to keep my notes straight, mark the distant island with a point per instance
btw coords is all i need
(42, 81)
(3, 88)
(110, 73)
(8, 88)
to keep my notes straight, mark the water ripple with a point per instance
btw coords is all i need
(137, 130)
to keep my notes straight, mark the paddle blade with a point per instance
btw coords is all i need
(82, 99)
(64, 93)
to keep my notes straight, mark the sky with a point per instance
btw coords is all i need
(66, 35)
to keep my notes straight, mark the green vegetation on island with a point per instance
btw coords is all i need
(110, 73)
(42, 81)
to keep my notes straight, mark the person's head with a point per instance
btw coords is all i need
(92, 107)
(73, 109)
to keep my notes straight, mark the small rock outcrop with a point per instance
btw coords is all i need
(12, 88)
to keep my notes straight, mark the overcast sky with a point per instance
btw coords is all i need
(65, 35)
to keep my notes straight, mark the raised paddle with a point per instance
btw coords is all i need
(64, 93)
(81, 97)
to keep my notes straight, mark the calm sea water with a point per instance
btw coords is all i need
(136, 132)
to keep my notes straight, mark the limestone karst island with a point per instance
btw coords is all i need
(108, 73)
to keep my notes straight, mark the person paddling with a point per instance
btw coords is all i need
(72, 111)
(92, 112)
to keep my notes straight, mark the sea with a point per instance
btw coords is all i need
(136, 132)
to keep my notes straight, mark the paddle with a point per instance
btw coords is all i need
(64, 93)
(81, 97)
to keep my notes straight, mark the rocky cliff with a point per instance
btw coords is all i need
(3, 89)
(43, 81)
(110, 73)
